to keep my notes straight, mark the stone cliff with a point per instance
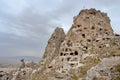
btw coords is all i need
(89, 40)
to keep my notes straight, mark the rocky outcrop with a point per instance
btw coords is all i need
(105, 70)
(91, 31)
(4, 75)
(89, 40)
(25, 71)
(53, 46)
(89, 51)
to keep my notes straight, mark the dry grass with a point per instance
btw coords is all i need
(88, 63)
(41, 76)
(117, 68)
(101, 78)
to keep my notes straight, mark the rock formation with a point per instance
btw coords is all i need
(89, 51)
(53, 46)
(105, 70)
(90, 39)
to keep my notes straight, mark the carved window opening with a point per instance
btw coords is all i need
(53, 37)
(76, 53)
(101, 71)
(71, 53)
(61, 54)
(107, 33)
(84, 58)
(117, 35)
(103, 38)
(66, 49)
(100, 29)
(68, 59)
(107, 38)
(93, 27)
(86, 48)
(83, 35)
(97, 40)
(65, 54)
(93, 13)
(79, 25)
(85, 28)
(100, 46)
(50, 67)
(88, 40)
(62, 40)
(72, 65)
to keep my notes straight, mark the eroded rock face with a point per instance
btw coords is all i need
(53, 46)
(4, 75)
(88, 41)
(105, 70)
(54, 42)
(91, 30)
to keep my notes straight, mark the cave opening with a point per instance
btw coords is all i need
(71, 53)
(83, 35)
(61, 54)
(76, 53)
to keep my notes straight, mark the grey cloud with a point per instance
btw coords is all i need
(13, 46)
(27, 32)
(69, 9)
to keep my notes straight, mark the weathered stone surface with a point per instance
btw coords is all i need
(89, 51)
(91, 31)
(4, 75)
(89, 40)
(53, 46)
(104, 69)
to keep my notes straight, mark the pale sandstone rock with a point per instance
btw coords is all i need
(103, 69)
(91, 30)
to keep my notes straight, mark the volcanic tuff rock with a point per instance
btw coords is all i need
(91, 31)
(90, 39)
(104, 70)
(89, 51)
(53, 46)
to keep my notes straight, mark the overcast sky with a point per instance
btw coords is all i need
(26, 25)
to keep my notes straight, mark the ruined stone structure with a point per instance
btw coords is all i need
(90, 33)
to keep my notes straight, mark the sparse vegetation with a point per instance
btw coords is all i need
(118, 78)
(117, 68)
(74, 77)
